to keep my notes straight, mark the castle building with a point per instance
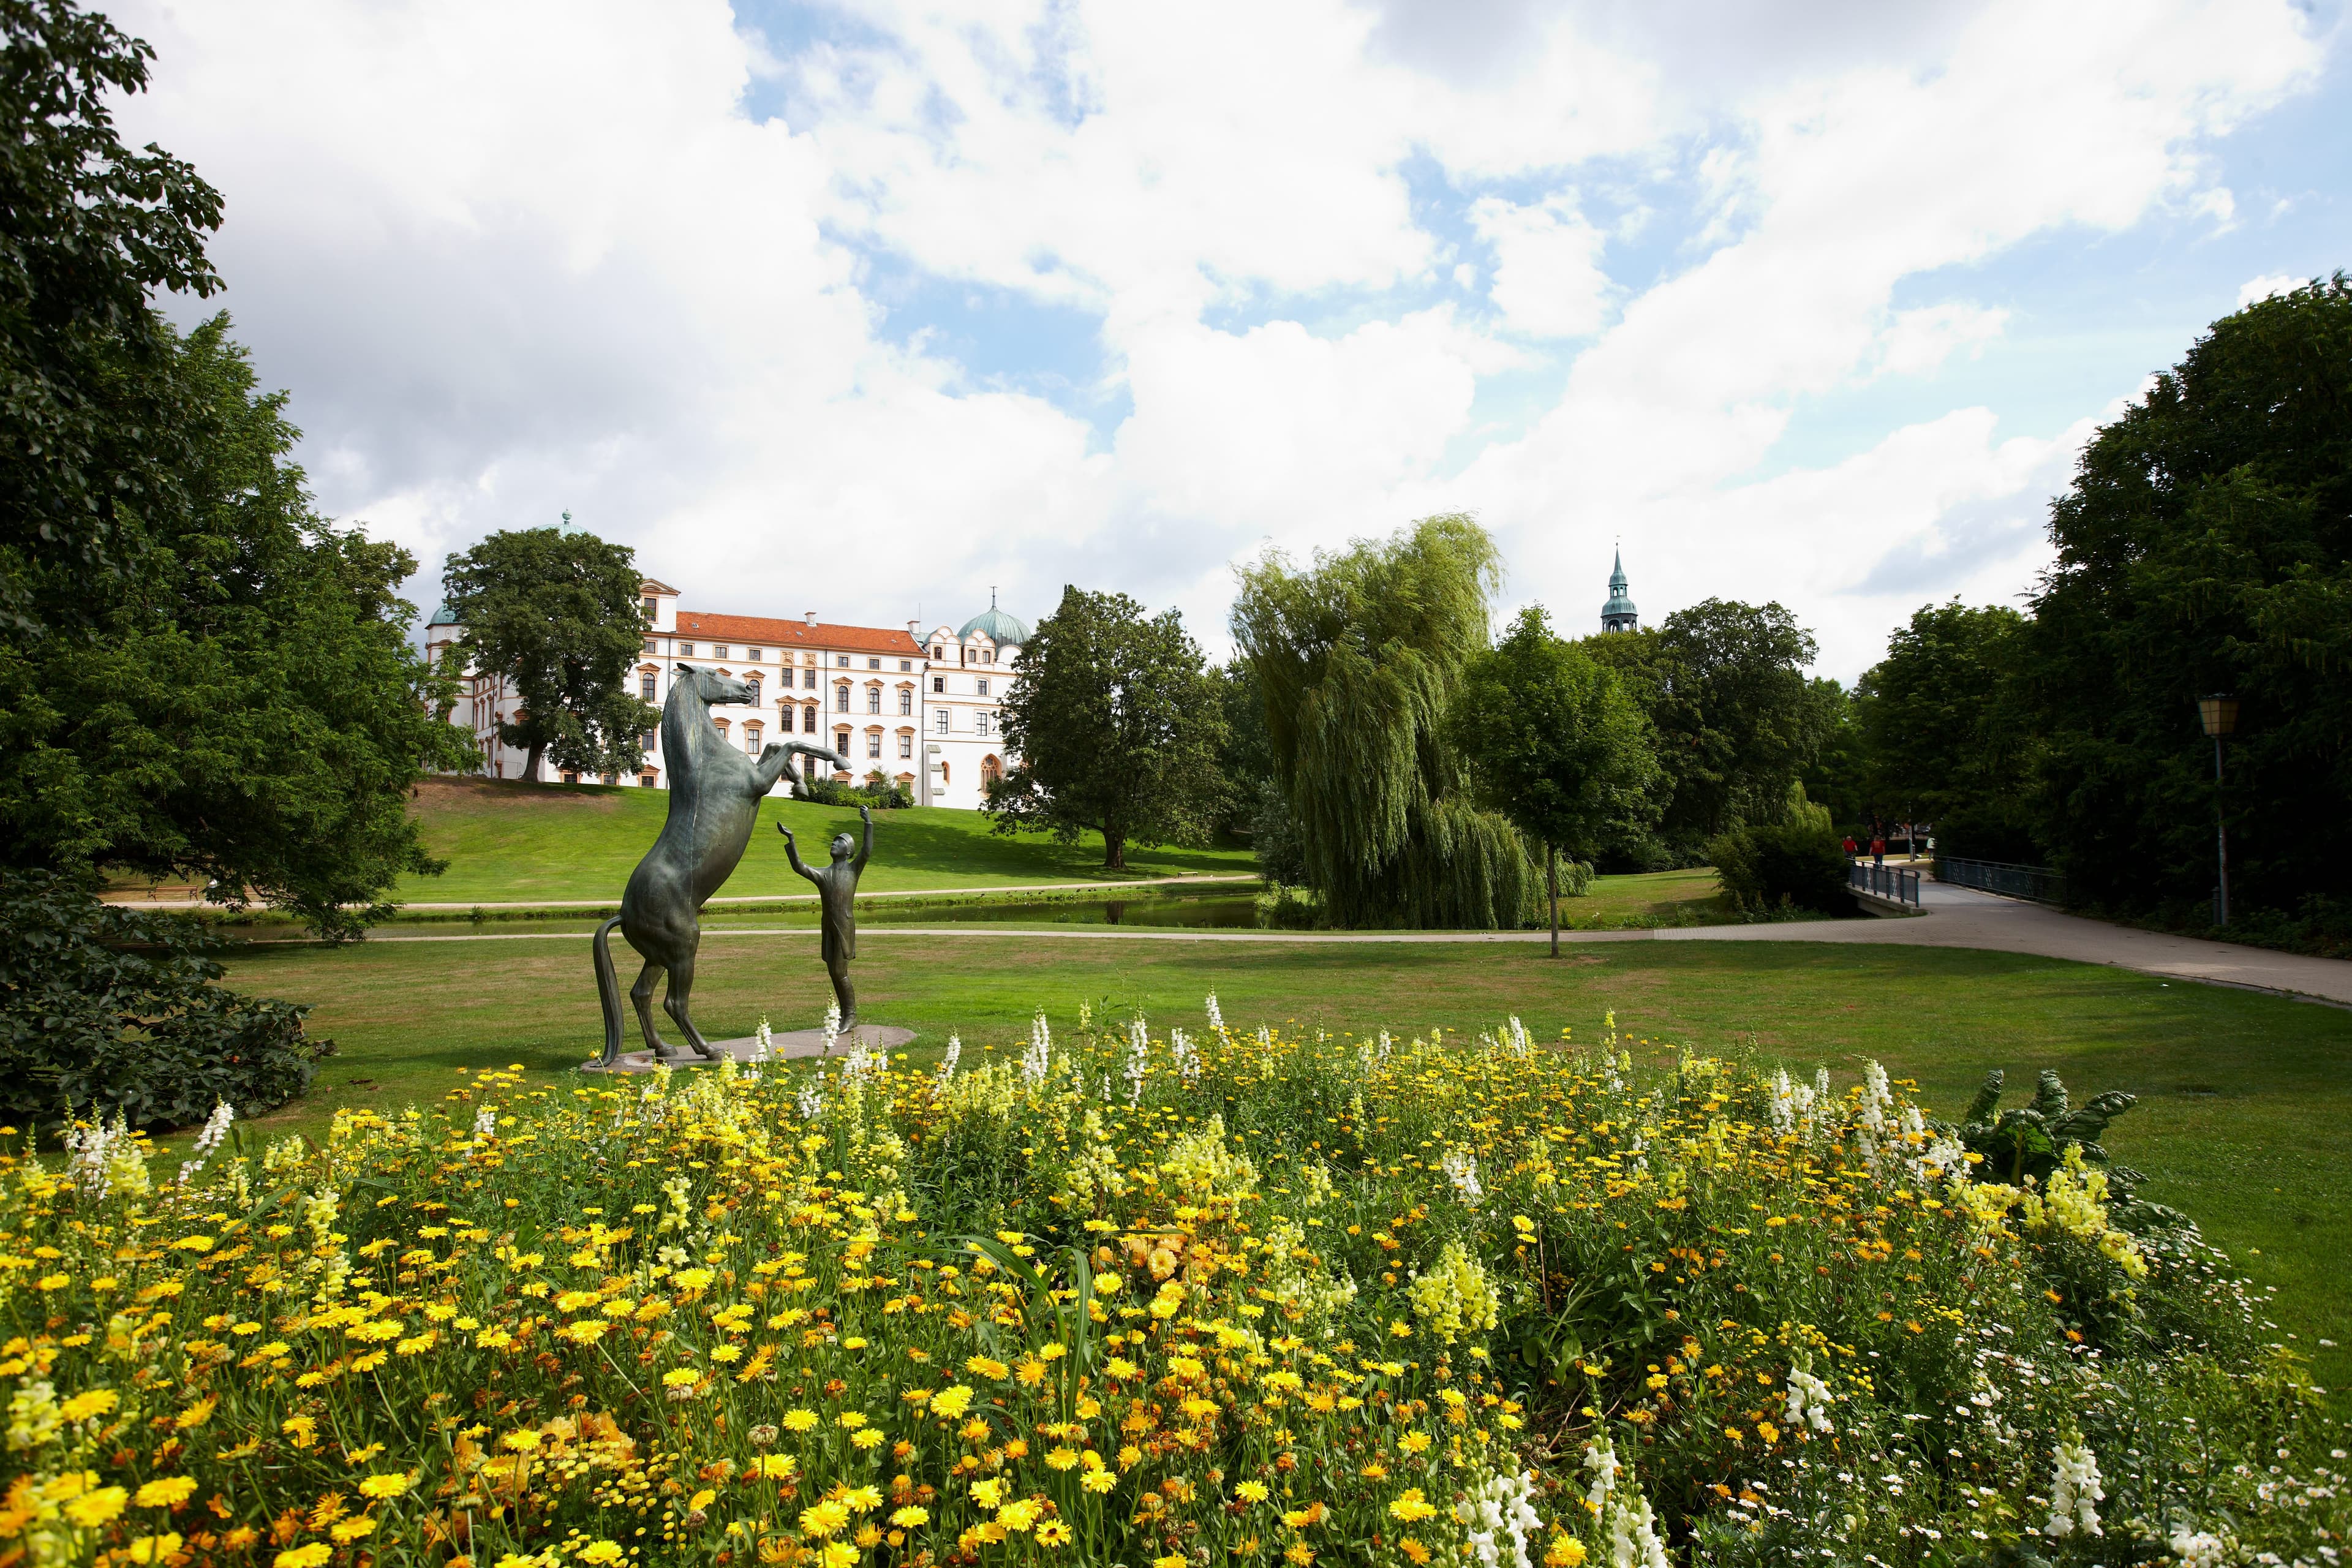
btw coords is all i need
(906, 708)
(1618, 615)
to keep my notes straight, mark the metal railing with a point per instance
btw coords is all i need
(1885, 881)
(2038, 884)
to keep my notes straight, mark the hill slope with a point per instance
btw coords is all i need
(507, 842)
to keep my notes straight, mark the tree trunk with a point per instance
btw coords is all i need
(1551, 876)
(531, 764)
(1114, 850)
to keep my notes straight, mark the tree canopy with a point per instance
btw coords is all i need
(1117, 723)
(2205, 546)
(1359, 658)
(1555, 743)
(555, 612)
(1724, 686)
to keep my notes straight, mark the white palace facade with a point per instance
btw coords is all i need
(918, 709)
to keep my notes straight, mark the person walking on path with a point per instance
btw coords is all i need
(836, 887)
(1849, 847)
(1878, 850)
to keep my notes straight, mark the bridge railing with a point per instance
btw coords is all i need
(2038, 884)
(1885, 881)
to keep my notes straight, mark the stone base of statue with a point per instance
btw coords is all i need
(781, 1048)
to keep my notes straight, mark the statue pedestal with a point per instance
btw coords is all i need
(781, 1048)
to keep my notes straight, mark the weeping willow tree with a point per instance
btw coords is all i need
(1358, 660)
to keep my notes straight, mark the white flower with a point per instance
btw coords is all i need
(948, 1063)
(1633, 1534)
(1462, 1170)
(1600, 1459)
(1138, 1060)
(2074, 1489)
(1216, 1019)
(1809, 1399)
(1501, 1512)
(831, 1025)
(215, 1133)
(762, 1042)
(1037, 1060)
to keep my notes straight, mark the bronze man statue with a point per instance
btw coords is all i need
(836, 887)
(714, 799)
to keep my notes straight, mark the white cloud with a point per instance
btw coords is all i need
(2267, 285)
(520, 258)
(1548, 278)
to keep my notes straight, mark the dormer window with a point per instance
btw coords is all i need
(652, 606)
(937, 654)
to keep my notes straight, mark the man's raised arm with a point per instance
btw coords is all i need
(793, 854)
(865, 848)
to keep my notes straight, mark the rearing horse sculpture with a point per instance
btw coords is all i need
(714, 799)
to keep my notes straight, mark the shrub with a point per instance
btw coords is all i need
(1797, 864)
(115, 1011)
(1216, 1295)
(888, 795)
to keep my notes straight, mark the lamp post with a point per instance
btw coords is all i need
(2220, 714)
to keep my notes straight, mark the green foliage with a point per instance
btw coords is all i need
(1795, 863)
(1118, 721)
(888, 794)
(2206, 545)
(2027, 1142)
(105, 1010)
(1836, 776)
(1358, 660)
(1273, 838)
(1944, 739)
(249, 711)
(1245, 757)
(1554, 742)
(554, 612)
(1724, 686)
(94, 443)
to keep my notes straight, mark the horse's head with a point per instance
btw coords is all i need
(712, 687)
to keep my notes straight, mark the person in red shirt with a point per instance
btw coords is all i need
(1878, 851)
(1849, 846)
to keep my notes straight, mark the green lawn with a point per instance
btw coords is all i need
(508, 842)
(2244, 1097)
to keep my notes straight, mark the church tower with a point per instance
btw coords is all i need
(1618, 615)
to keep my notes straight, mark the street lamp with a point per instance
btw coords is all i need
(2219, 715)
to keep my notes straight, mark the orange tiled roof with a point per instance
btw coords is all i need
(771, 633)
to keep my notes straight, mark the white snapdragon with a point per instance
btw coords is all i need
(1809, 1401)
(1138, 1060)
(215, 1133)
(2203, 1549)
(1462, 1170)
(948, 1062)
(1216, 1019)
(1186, 1054)
(104, 1157)
(832, 1027)
(1037, 1060)
(1501, 1514)
(1601, 1462)
(764, 1042)
(2074, 1491)
(1633, 1534)
(810, 1098)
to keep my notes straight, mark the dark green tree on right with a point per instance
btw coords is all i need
(2204, 546)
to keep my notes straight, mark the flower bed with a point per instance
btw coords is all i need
(1119, 1298)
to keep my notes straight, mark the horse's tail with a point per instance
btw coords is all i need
(608, 992)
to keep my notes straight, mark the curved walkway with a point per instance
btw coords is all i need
(1952, 917)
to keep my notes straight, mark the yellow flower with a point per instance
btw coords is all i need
(908, 1517)
(381, 1487)
(354, 1529)
(839, 1554)
(952, 1401)
(523, 1441)
(1565, 1552)
(986, 1366)
(986, 1493)
(680, 1377)
(1413, 1549)
(1062, 1458)
(1413, 1442)
(1053, 1532)
(94, 1509)
(310, 1556)
(823, 1518)
(692, 1278)
(1412, 1507)
(701, 1499)
(850, 1420)
(153, 1548)
(1098, 1481)
(799, 1420)
(865, 1500)
(1250, 1491)
(1018, 1514)
(95, 1401)
(170, 1492)
(602, 1552)
(867, 1437)
(1170, 1562)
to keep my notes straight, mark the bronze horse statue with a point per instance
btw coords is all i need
(714, 800)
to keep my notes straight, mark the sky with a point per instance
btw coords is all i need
(866, 309)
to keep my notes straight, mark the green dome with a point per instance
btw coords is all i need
(1000, 628)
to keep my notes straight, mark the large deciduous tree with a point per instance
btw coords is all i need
(94, 420)
(252, 711)
(554, 612)
(1724, 685)
(1359, 658)
(2205, 545)
(1943, 739)
(1118, 722)
(1556, 744)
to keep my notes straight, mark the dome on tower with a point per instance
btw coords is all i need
(1618, 615)
(1000, 628)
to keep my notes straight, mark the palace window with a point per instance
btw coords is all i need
(841, 742)
(981, 685)
(937, 654)
(939, 721)
(754, 654)
(906, 744)
(754, 684)
(873, 664)
(751, 734)
(943, 773)
(722, 727)
(990, 769)
(874, 699)
(645, 741)
(808, 679)
(874, 744)
(841, 661)
(649, 646)
(905, 664)
(646, 780)
(906, 700)
(808, 719)
(841, 698)
(718, 650)
(939, 683)
(686, 650)
(981, 723)
(651, 606)
(645, 687)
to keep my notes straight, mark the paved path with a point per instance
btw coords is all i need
(1107, 890)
